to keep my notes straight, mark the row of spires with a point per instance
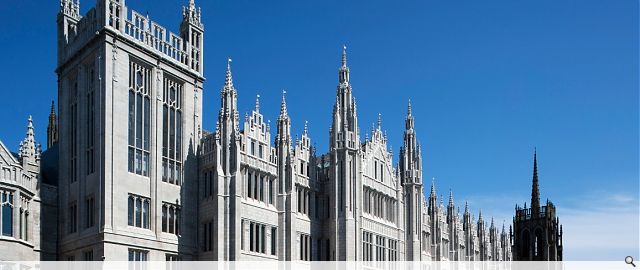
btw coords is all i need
(228, 88)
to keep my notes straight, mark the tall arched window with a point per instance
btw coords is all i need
(539, 243)
(525, 245)
(7, 213)
(139, 118)
(172, 131)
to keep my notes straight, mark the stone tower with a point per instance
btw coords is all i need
(287, 199)
(129, 121)
(410, 167)
(537, 233)
(345, 159)
(227, 224)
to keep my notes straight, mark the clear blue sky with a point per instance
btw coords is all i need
(489, 80)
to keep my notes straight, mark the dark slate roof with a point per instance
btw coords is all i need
(49, 165)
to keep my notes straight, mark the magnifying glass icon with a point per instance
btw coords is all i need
(629, 260)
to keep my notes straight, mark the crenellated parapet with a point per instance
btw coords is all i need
(183, 49)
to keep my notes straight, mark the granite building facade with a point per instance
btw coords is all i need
(137, 178)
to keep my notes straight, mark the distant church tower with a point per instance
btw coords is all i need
(52, 128)
(537, 233)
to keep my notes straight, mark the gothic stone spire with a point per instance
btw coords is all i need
(29, 150)
(192, 15)
(284, 123)
(344, 69)
(228, 116)
(283, 105)
(535, 191)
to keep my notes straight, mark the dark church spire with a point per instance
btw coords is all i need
(535, 191)
(52, 127)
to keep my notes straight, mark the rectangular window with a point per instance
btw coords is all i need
(138, 211)
(172, 260)
(261, 192)
(249, 185)
(258, 237)
(90, 120)
(20, 234)
(271, 182)
(381, 249)
(207, 229)
(170, 218)
(73, 131)
(145, 214)
(393, 250)
(139, 118)
(375, 169)
(138, 255)
(367, 246)
(172, 257)
(251, 237)
(255, 186)
(90, 212)
(73, 218)
(88, 255)
(172, 131)
(274, 242)
(165, 218)
(305, 247)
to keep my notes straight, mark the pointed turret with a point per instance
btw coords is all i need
(283, 105)
(433, 188)
(344, 69)
(192, 15)
(52, 127)
(410, 170)
(229, 103)
(450, 208)
(306, 129)
(433, 198)
(284, 124)
(344, 130)
(257, 104)
(535, 192)
(29, 150)
(192, 31)
(228, 126)
(410, 156)
(283, 141)
(451, 198)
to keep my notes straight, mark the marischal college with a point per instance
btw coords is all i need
(129, 173)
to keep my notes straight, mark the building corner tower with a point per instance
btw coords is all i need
(129, 119)
(344, 176)
(411, 179)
